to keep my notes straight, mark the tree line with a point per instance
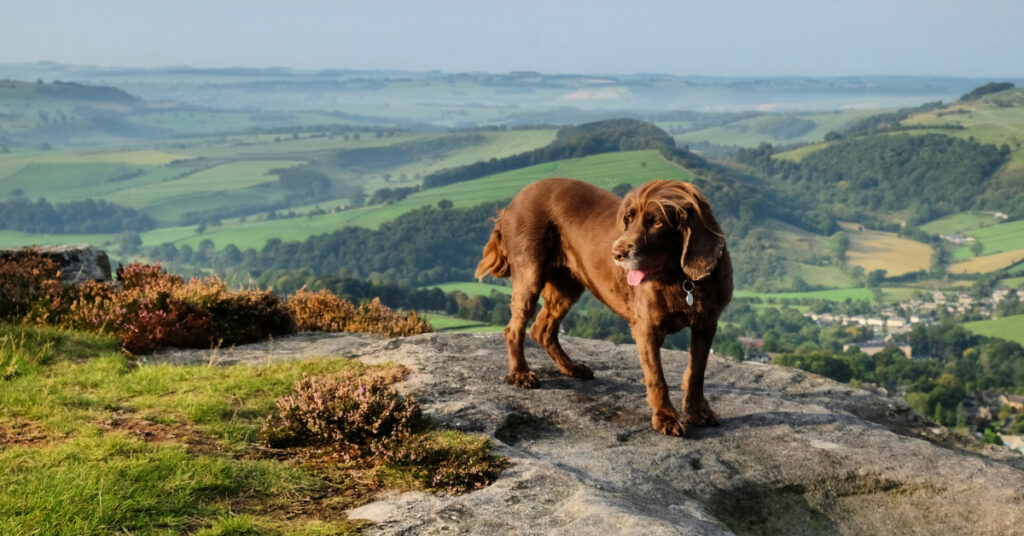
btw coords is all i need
(74, 217)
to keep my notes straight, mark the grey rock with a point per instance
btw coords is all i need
(78, 263)
(795, 453)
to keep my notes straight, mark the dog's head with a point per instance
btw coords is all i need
(662, 221)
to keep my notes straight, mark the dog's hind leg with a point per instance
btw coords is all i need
(526, 284)
(560, 293)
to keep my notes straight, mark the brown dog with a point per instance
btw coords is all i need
(657, 258)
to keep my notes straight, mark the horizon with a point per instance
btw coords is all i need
(729, 39)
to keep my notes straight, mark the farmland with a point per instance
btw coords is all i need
(876, 250)
(1010, 328)
(605, 170)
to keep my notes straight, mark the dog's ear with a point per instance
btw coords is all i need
(703, 239)
(625, 205)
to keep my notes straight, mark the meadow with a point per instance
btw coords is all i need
(753, 131)
(999, 238)
(1010, 328)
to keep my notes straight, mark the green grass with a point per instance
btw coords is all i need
(71, 182)
(963, 222)
(1010, 328)
(800, 153)
(459, 325)
(233, 176)
(13, 239)
(92, 443)
(836, 295)
(73, 460)
(1013, 282)
(995, 239)
(471, 288)
(752, 131)
(889, 294)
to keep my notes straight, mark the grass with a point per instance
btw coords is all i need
(14, 239)
(1000, 238)
(1013, 282)
(877, 250)
(458, 325)
(960, 223)
(798, 154)
(1010, 328)
(69, 182)
(233, 176)
(471, 288)
(836, 295)
(92, 444)
(752, 131)
(889, 294)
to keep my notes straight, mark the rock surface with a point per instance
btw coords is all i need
(795, 453)
(78, 263)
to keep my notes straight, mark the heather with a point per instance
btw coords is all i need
(147, 308)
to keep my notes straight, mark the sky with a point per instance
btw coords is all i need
(981, 38)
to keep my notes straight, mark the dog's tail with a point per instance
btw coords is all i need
(495, 259)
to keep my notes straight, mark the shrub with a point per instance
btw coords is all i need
(365, 421)
(323, 311)
(153, 309)
(448, 461)
(359, 416)
(30, 288)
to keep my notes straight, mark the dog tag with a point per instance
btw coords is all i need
(688, 291)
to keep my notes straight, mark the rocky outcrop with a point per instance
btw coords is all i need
(795, 453)
(78, 263)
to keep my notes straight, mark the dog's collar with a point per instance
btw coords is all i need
(689, 291)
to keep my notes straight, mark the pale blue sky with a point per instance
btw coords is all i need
(727, 37)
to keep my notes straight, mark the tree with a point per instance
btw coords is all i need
(444, 204)
(977, 248)
(876, 277)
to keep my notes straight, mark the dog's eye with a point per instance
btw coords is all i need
(656, 224)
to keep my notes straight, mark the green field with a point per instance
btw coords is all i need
(472, 288)
(459, 325)
(752, 131)
(1010, 328)
(995, 239)
(836, 295)
(960, 223)
(889, 294)
(1013, 282)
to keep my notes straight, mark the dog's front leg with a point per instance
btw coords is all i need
(696, 409)
(663, 415)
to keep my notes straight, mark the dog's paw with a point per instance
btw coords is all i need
(702, 415)
(580, 371)
(526, 380)
(668, 424)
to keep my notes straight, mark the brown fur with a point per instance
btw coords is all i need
(559, 236)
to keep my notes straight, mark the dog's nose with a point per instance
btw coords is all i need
(621, 252)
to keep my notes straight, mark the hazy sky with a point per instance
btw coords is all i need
(711, 37)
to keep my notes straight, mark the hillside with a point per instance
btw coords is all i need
(958, 200)
(795, 453)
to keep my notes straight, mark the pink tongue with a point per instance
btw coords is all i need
(634, 277)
